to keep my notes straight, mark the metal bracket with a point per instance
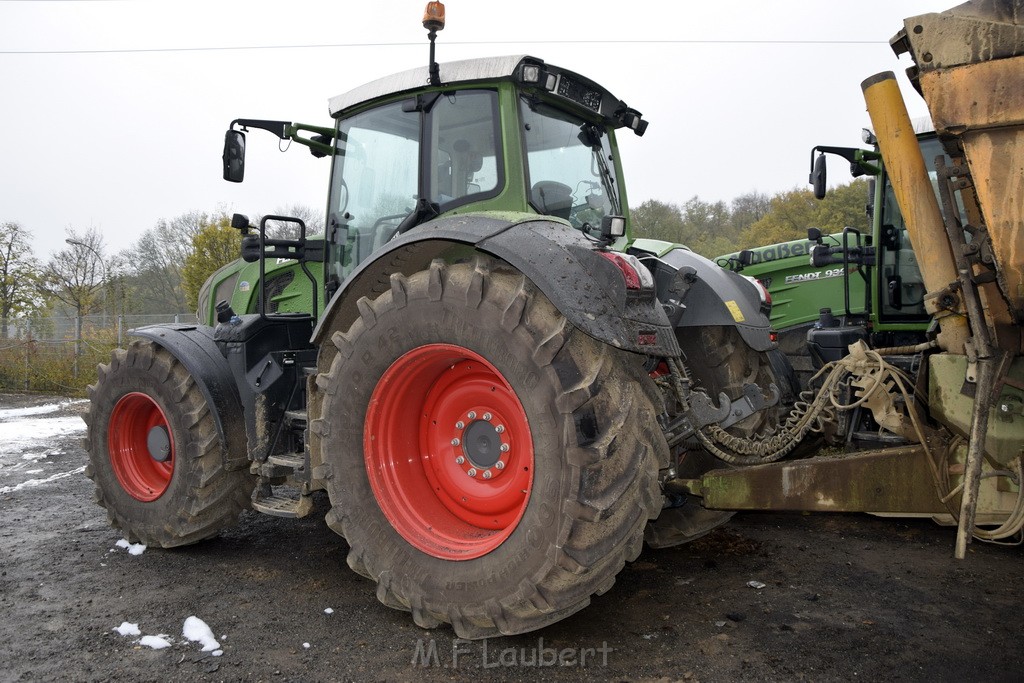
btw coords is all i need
(730, 412)
(751, 402)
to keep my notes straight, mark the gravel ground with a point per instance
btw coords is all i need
(844, 598)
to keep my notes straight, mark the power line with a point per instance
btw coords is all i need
(464, 42)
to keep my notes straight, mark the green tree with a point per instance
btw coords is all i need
(845, 207)
(657, 221)
(702, 226)
(19, 270)
(706, 225)
(215, 245)
(792, 212)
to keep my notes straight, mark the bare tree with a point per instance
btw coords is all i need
(154, 263)
(313, 219)
(749, 208)
(19, 270)
(74, 276)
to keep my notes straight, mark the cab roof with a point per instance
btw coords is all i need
(489, 68)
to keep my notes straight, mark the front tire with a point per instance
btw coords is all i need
(154, 453)
(456, 369)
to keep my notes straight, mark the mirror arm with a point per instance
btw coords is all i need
(319, 143)
(278, 128)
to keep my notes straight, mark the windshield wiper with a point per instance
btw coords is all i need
(590, 135)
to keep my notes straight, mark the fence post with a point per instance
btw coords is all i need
(120, 329)
(28, 350)
(78, 344)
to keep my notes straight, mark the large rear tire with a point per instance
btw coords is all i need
(455, 370)
(154, 452)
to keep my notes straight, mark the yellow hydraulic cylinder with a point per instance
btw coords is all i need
(913, 189)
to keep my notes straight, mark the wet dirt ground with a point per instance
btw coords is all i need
(844, 598)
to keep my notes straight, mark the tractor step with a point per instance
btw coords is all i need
(289, 465)
(282, 506)
(295, 461)
(296, 419)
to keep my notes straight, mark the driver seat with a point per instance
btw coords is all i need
(552, 198)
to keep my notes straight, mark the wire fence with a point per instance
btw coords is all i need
(59, 354)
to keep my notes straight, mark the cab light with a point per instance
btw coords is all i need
(433, 16)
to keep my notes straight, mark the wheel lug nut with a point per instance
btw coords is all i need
(504, 448)
(500, 465)
(499, 428)
(487, 474)
(459, 460)
(487, 416)
(471, 471)
(460, 424)
(455, 442)
(471, 415)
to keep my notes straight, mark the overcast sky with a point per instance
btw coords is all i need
(113, 111)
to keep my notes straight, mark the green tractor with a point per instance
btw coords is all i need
(493, 384)
(832, 289)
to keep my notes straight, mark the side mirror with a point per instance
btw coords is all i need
(234, 156)
(818, 176)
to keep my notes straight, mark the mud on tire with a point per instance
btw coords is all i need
(586, 412)
(145, 401)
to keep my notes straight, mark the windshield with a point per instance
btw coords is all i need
(569, 166)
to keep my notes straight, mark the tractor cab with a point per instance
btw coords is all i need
(502, 135)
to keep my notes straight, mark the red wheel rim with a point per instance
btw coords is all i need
(135, 419)
(448, 452)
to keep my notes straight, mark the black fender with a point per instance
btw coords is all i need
(194, 347)
(563, 263)
(702, 293)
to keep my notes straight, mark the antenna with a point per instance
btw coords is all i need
(433, 21)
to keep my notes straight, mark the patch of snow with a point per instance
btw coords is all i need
(329, 611)
(156, 642)
(196, 630)
(8, 413)
(306, 645)
(132, 548)
(39, 482)
(217, 653)
(126, 629)
(19, 435)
